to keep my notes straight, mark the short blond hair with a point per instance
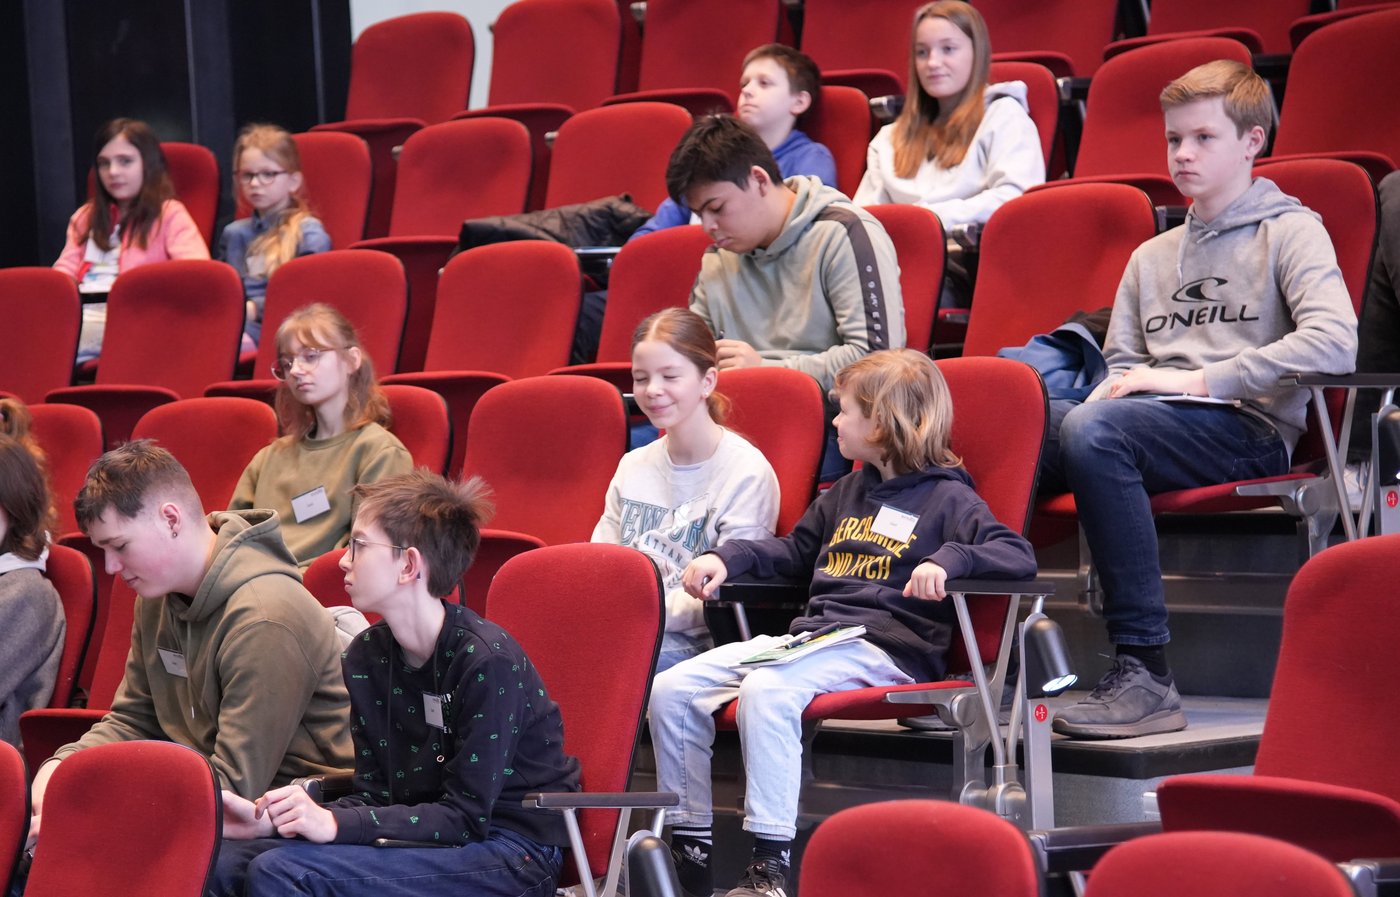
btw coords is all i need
(904, 393)
(1248, 101)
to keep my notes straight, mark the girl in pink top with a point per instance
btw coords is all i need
(134, 219)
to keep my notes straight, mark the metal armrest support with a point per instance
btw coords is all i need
(570, 802)
(1373, 877)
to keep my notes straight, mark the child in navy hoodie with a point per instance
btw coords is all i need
(879, 546)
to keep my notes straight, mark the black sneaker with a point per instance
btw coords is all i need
(1128, 702)
(761, 879)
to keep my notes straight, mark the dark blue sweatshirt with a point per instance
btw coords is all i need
(859, 575)
(505, 739)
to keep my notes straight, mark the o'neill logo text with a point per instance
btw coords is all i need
(1196, 292)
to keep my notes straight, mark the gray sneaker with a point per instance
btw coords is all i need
(1128, 702)
(761, 879)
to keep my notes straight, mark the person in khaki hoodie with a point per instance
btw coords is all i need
(230, 655)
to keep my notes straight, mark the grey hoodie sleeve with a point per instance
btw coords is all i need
(1324, 338)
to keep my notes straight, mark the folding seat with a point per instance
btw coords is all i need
(782, 412)
(367, 287)
(14, 810)
(71, 437)
(1330, 108)
(507, 310)
(336, 176)
(46, 730)
(71, 575)
(616, 149)
(842, 123)
(448, 173)
(172, 329)
(86, 849)
(1261, 25)
(1326, 788)
(576, 610)
(548, 447)
(41, 311)
(1122, 139)
(405, 73)
(1214, 864)
(861, 45)
(1345, 9)
(652, 272)
(917, 847)
(919, 244)
(195, 173)
(420, 422)
(212, 438)
(1029, 282)
(1000, 444)
(550, 59)
(688, 61)
(1065, 36)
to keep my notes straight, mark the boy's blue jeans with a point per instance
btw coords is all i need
(1113, 454)
(505, 865)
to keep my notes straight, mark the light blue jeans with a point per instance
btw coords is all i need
(771, 700)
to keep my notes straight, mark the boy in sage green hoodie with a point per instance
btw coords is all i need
(230, 655)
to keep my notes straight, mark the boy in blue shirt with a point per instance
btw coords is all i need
(778, 88)
(451, 723)
(1219, 308)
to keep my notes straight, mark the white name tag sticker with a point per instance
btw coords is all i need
(432, 711)
(174, 662)
(310, 504)
(892, 523)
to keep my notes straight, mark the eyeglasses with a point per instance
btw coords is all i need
(262, 177)
(308, 359)
(357, 544)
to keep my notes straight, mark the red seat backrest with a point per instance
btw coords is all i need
(71, 575)
(415, 66)
(652, 272)
(1270, 18)
(1330, 102)
(456, 170)
(682, 47)
(71, 437)
(508, 308)
(1042, 95)
(212, 438)
(841, 35)
(14, 812)
(177, 324)
(548, 447)
(1051, 253)
(918, 847)
(1077, 28)
(367, 287)
(782, 413)
(918, 240)
(616, 149)
(577, 610)
(195, 173)
(421, 423)
(1123, 117)
(41, 311)
(555, 51)
(841, 121)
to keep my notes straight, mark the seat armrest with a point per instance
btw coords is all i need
(1342, 381)
(328, 786)
(1078, 848)
(600, 800)
(1000, 586)
(768, 593)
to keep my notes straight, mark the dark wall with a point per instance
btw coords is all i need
(196, 70)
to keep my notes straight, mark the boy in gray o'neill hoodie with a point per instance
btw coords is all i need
(1218, 309)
